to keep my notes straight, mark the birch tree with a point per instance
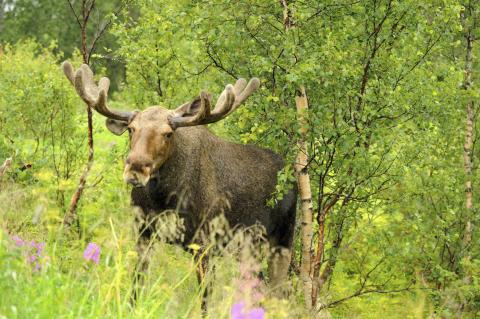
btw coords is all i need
(469, 20)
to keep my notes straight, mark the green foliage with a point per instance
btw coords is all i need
(162, 54)
(377, 75)
(52, 21)
(385, 137)
(46, 21)
(38, 113)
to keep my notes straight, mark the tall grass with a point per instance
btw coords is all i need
(68, 286)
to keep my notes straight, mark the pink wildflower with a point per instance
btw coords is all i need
(239, 312)
(33, 251)
(17, 240)
(35, 254)
(92, 253)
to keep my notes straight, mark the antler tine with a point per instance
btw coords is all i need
(251, 87)
(204, 110)
(85, 86)
(239, 86)
(240, 92)
(200, 114)
(68, 70)
(104, 85)
(227, 102)
(94, 96)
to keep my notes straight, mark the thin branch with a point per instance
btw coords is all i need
(418, 62)
(105, 27)
(321, 10)
(218, 63)
(74, 13)
(364, 292)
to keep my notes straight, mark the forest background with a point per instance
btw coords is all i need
(389, 138)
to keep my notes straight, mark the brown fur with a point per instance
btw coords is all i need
(200, 175)
(177, 164)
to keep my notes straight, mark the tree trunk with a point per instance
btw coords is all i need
(332, 261)
(303, 179)
(318, 279)
(467, 148)
(71, 216)
(467, 152)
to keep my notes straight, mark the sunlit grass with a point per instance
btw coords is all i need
(68, 286)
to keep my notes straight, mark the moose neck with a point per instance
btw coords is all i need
(183, 163)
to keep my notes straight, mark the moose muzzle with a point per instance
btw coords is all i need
(137, 171)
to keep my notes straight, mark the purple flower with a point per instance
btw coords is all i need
(32, 258)
(33, 251)
(92, 253)
(239, 312)
(38, 247)
(17, 240)
(35, 254)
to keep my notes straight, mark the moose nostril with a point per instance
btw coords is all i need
(140, 167)
(139, 163)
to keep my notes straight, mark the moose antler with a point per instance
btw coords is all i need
(95, 96)
(198, 112)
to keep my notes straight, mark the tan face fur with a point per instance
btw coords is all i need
(150, 144)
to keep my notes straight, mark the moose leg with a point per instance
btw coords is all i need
(143, 245)
(278, 264)
(281, 254)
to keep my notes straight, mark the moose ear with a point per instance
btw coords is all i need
(116, 127)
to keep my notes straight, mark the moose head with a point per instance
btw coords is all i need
(152, 131)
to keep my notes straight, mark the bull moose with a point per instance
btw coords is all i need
(176, 163)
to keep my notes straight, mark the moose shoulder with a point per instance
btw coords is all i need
(176, 163)
(207, 175)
